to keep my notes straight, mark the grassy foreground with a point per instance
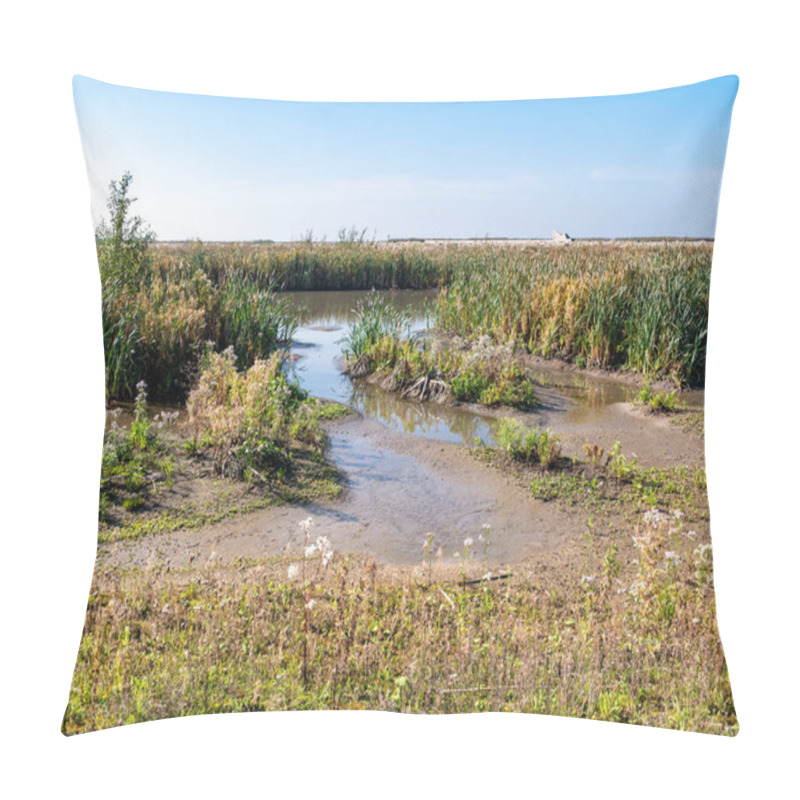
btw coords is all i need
(610, 638)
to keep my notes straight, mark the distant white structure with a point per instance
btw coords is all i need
(561, 238)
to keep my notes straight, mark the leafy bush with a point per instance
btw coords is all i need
(247, 419)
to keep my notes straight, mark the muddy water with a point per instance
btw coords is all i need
(317, 350)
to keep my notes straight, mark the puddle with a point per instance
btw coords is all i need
(317, 352)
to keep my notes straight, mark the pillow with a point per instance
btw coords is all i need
(404, 407)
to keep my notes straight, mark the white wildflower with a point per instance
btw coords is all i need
(588, 580)
(292, 573)
(677, 513)
(655, 518)
(305, 525)
(310, 550)
(310, 604)
(468, 542)
(672, 558)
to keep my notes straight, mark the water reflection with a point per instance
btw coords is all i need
(338, 307)
(422, 419)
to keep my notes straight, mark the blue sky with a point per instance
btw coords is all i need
(217, 168)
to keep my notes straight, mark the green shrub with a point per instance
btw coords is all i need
(528, 444)
(658, 401)
(248, 419)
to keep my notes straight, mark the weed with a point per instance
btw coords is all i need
(528, 444)
(247, 419)
(658, 401)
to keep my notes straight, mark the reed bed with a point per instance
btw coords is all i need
(156, 330)
(379, 345)
(634, 306)
(307, 266)
(638, 308)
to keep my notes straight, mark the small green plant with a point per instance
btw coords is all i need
(658, 401)
(133, 459)
(132, 503)
(528, 444)
(622, 468)
(140, 434)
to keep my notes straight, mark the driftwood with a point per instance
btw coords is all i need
(425, 388)
(486, 579)
(360, 367)
(482, 689)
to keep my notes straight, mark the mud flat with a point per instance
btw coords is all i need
(398, 489)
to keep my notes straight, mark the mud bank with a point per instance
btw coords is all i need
(393, 483)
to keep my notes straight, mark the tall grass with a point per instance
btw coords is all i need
(312, 265)
(642, 307)
(634, 307)
(637, 306)
(157, 332)
(156, 318)
(376, 318)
